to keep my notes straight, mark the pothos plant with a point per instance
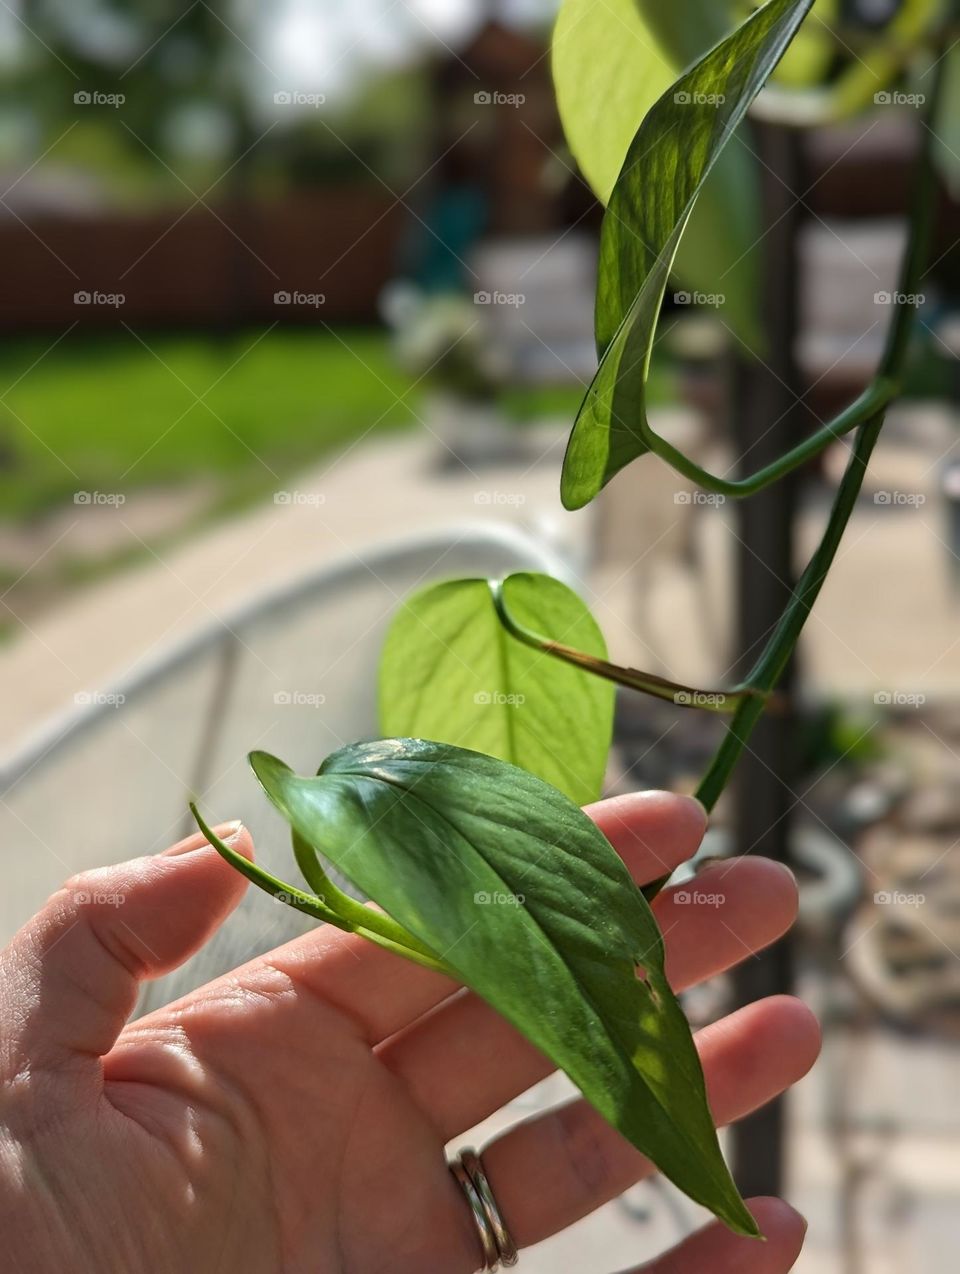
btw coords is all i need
(497, 696)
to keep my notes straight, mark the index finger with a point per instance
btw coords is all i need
(652, 831)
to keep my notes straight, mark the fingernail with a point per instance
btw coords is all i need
(227, 832)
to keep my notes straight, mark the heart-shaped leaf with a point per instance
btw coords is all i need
(524, 900)
(674, 150)
(450, 671)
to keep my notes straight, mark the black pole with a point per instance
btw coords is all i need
(767, 418)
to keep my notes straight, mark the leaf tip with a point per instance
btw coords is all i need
(742, 1221)
(266, 766)
(575, 492)
(213, 839)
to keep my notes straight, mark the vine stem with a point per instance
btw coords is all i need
(769, 667)
(878, 394)
(345, 913)
(645, 682)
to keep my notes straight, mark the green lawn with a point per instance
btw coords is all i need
(113, 414)
(109, 414)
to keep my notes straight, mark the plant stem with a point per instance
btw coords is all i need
(354, 913)
(375, 926)
(769, 667)
(876, 396)
(645, 682)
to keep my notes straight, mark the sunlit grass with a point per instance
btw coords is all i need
(120, 412)
(112, 414)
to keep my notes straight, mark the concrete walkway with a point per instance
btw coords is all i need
(886, 622)
(366, 497)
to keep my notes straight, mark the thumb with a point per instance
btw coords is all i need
(69, 978)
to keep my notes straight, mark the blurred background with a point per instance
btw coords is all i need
(297, 312)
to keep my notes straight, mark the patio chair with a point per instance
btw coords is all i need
(294, 673)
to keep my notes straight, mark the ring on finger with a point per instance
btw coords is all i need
(499, 1249)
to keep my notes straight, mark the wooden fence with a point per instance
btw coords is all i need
(301, 259)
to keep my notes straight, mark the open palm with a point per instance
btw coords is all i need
(293, 1115)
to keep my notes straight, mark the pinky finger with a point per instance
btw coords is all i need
(716, 1249)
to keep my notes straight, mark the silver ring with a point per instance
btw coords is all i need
(499, 1248)
(491, 1253)
(505, 1245)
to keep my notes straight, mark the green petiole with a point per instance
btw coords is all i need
(645, 682)
(345, 913)
(874, 398)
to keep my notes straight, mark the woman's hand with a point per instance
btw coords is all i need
(292, 1116)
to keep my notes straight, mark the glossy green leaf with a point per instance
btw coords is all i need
(673, 151)
(449, 671)
(611, 62)
(518, 892)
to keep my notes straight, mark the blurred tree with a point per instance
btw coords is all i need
(179, 69)
(181, 91)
